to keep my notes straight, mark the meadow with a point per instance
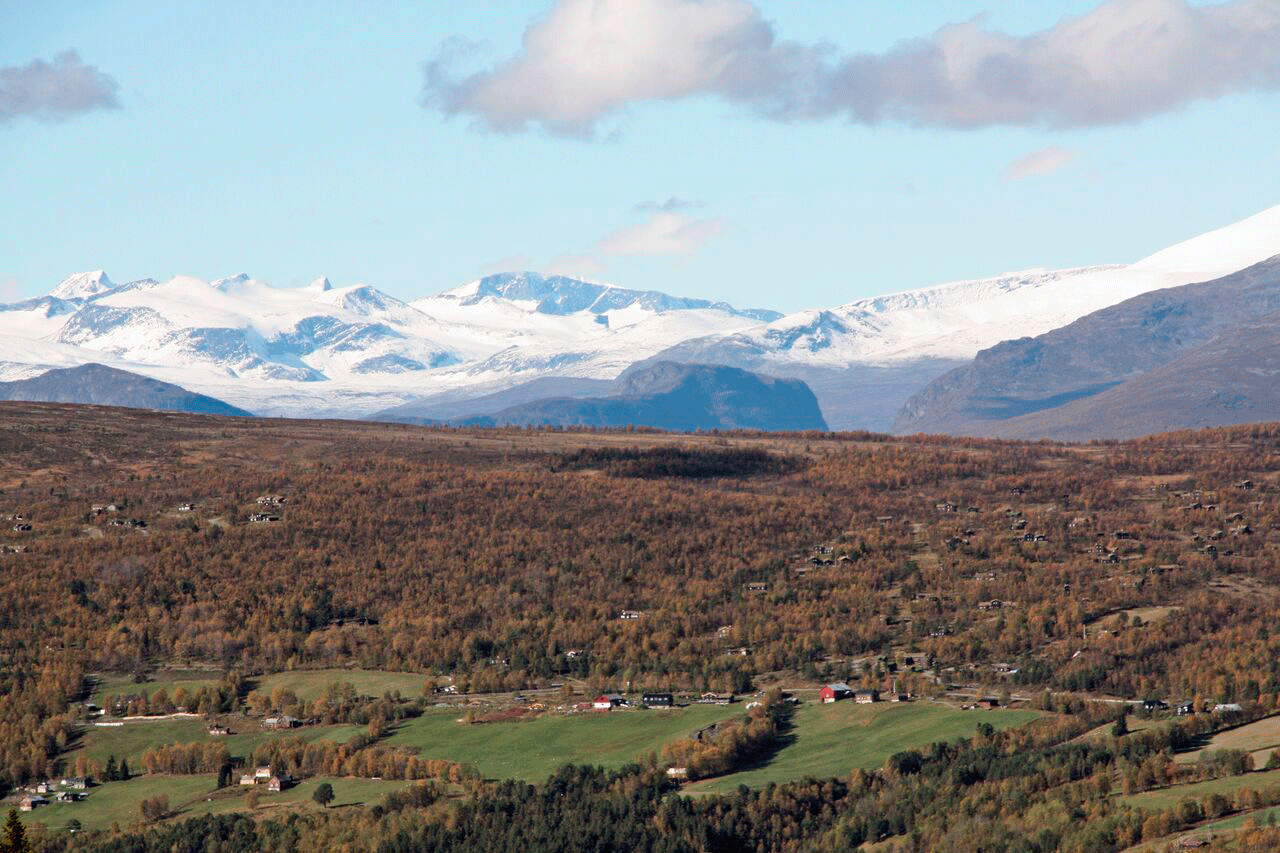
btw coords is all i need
(832, 740)
(117, 803)
(532, 749)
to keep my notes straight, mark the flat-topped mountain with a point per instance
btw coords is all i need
(667, 395)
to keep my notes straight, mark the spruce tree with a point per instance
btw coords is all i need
(15, 836)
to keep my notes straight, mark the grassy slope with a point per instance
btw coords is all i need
(189, 796)
(1257, 738)
(131, 739)
(115, 684)
(1228, 785)
(831, 740)
(533, 749)
(312, 684)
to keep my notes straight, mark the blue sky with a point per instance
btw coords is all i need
(292, 140)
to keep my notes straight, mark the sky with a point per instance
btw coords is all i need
(770, 154)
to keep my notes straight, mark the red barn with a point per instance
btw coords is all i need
(834, 692)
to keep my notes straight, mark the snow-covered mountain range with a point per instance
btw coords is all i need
(321, 350)
(349, 351)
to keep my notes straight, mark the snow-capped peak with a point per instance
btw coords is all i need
(320, 285)
(82, 285)
(231, 281)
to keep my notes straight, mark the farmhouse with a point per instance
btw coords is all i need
(657, 700)
(866, 697)
(281, 722)
(835, 692)
(31, 803)
(606, 701)
(276, 784)
(247, 779)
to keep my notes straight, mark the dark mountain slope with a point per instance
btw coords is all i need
(666, 395)
(108, 386)
(1100, 351)
(1233, 379)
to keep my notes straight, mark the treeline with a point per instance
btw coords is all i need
(186, 758)
(298, 758)
(729, 744)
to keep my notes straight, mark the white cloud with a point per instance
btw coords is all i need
(54, 91)
(1045, 161)
(1126, 59)
(662, 234)
(574, 266)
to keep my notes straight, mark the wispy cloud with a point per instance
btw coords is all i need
(52, 91)
(671, 203)
(507, 264)
(574, 265)
(1045, 161)
(670, 234)
(10, 290)
(1123, 61)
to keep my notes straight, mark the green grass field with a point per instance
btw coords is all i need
(1258, 738)
(1169, 797)
(190, 796)
(533, 749)
(306, 684)
(132, 738)
(116, 684)
(312, 684)
(832, 740)
(1259, 817)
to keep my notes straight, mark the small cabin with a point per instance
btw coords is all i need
(866, 697)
